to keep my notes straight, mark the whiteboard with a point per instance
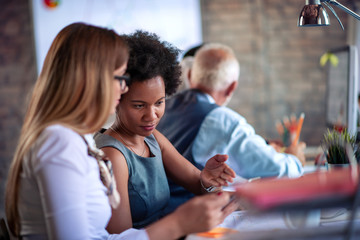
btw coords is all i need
(175, 21)
(337, 91)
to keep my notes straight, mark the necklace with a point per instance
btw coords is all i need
(126, 144)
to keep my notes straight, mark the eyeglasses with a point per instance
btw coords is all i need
(124, 80)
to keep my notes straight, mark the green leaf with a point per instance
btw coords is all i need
(328, 56)
(334, 60)
(324, 58)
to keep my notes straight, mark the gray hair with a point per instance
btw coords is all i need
(186, 65)
(215, 66)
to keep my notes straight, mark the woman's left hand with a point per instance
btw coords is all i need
(216, 173)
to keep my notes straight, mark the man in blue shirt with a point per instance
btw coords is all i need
(199, 125)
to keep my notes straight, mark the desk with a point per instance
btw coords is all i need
(294, 218)
(276, 225)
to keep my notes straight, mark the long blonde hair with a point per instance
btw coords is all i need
(74, 89)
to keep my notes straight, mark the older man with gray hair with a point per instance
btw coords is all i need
(199, 125)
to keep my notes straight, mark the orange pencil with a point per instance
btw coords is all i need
(298, 130)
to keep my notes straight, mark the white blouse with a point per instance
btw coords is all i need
(61, 195)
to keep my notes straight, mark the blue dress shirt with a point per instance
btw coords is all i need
(200, 129)
(225, 131)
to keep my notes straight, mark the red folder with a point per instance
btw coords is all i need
(321, 187)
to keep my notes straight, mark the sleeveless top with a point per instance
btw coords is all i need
(147, 185)
(188, 110)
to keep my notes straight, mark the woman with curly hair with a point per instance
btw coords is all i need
(59, 185)
(142, 157)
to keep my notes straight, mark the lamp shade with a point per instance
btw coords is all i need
(313, 14)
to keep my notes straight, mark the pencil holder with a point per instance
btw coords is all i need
(289, 129)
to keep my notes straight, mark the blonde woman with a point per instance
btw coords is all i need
(59, 186)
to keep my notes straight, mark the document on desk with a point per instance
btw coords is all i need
(236, 181)
(249, 221)
(244, 221)
(246, 225)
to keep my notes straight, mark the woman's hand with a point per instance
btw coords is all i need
(216, 173)
(199, 214)
(205, 212)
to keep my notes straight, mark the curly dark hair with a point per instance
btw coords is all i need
(150, 57)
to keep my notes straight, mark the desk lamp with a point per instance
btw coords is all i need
(314, 14)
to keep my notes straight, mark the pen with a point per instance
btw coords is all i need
(279, 127)
(232, 199)
(286, 122)
(298, 130)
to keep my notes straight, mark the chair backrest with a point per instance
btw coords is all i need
(4, 232)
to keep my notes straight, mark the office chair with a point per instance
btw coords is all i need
(4, 233)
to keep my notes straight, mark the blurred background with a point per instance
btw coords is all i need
(280, 69)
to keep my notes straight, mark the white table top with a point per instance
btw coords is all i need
(266, 225)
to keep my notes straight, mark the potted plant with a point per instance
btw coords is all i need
(334, 145)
